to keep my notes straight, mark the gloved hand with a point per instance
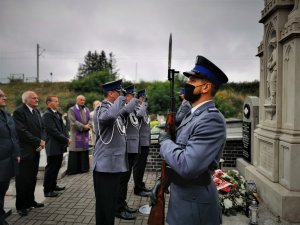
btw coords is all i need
(123, 92)
(163, 135)
(153, 197)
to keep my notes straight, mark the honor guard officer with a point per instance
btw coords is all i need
(200, 140)
(110, 158)
(145, 135)
(183, 109)
(132, 149)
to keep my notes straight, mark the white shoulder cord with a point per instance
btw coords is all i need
(112, 134)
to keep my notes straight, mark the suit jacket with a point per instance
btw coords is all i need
(110, 148)
(30, 130)
(200, 140)
(57, 136)
(9, 147)
(145, 130)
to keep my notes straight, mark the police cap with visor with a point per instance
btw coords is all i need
(205, 69)
(112, 86)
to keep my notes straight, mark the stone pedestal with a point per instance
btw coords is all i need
(276, 160)
(280, 200)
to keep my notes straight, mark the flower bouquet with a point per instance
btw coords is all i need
(231, 187)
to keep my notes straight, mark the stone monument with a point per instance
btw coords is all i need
(276, 159)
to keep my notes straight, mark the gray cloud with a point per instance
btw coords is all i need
(137, 32)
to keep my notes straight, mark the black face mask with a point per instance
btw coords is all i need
(189, 93)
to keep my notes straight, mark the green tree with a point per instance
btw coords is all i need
(92, 82)
(95, 62)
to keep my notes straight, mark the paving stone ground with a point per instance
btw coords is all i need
(76, 206)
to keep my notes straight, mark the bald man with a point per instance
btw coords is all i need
(32, 136)
(96, 103)
(80, 124)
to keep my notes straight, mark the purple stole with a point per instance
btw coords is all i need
(81, 137)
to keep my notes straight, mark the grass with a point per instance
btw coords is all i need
(14, 92)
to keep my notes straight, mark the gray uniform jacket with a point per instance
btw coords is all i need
(145, 130)
(200, 140)
(110, 148)
(132, 132)
(183, 109)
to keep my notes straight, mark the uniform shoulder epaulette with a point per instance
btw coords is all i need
(213, 109)
(105, 105)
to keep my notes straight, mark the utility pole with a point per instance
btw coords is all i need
(38, 54)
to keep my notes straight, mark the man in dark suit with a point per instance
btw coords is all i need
(9, 153)
(31, 133)
(56, 144)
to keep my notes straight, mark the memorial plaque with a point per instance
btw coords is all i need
(247, 141)
(250, 120)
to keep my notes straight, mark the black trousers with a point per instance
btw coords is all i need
(51, 171)
(3, 189)
(106, 187)
(125, 177)
(78, 162)
(26, 182)
(139, 169)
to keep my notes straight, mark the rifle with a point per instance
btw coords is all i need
(157, 213)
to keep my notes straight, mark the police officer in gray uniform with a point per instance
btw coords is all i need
(183, 109)
(200, 140)
(132, 147)
(145, 135)
(110, 158)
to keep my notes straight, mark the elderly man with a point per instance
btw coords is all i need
(200, 140)
(9, 152)
(80, 124)
(31, 133)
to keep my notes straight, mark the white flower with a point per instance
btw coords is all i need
(239, 201)
(227, 203)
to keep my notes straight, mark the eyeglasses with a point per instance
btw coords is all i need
(2, 96)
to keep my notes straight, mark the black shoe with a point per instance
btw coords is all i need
(146, 189)
(51, 194)
(125, 215)
(57, 188)
(143, 193)
(37, 205)
(22, 212)
(129, 209)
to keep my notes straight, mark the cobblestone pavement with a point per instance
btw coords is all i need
(76, 206)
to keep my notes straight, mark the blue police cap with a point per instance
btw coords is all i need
(113, 85)
(205, 69)
(181, 91)
(141, 93)
(130, 89)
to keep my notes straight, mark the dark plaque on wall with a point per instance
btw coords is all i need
(247, 141)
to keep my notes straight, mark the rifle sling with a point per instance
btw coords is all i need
(203, 180)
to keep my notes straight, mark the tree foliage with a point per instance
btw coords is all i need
(92, 82)
(95, 62)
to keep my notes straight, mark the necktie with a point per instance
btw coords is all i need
(57, 115)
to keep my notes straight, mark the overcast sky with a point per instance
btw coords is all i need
(137, 32)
